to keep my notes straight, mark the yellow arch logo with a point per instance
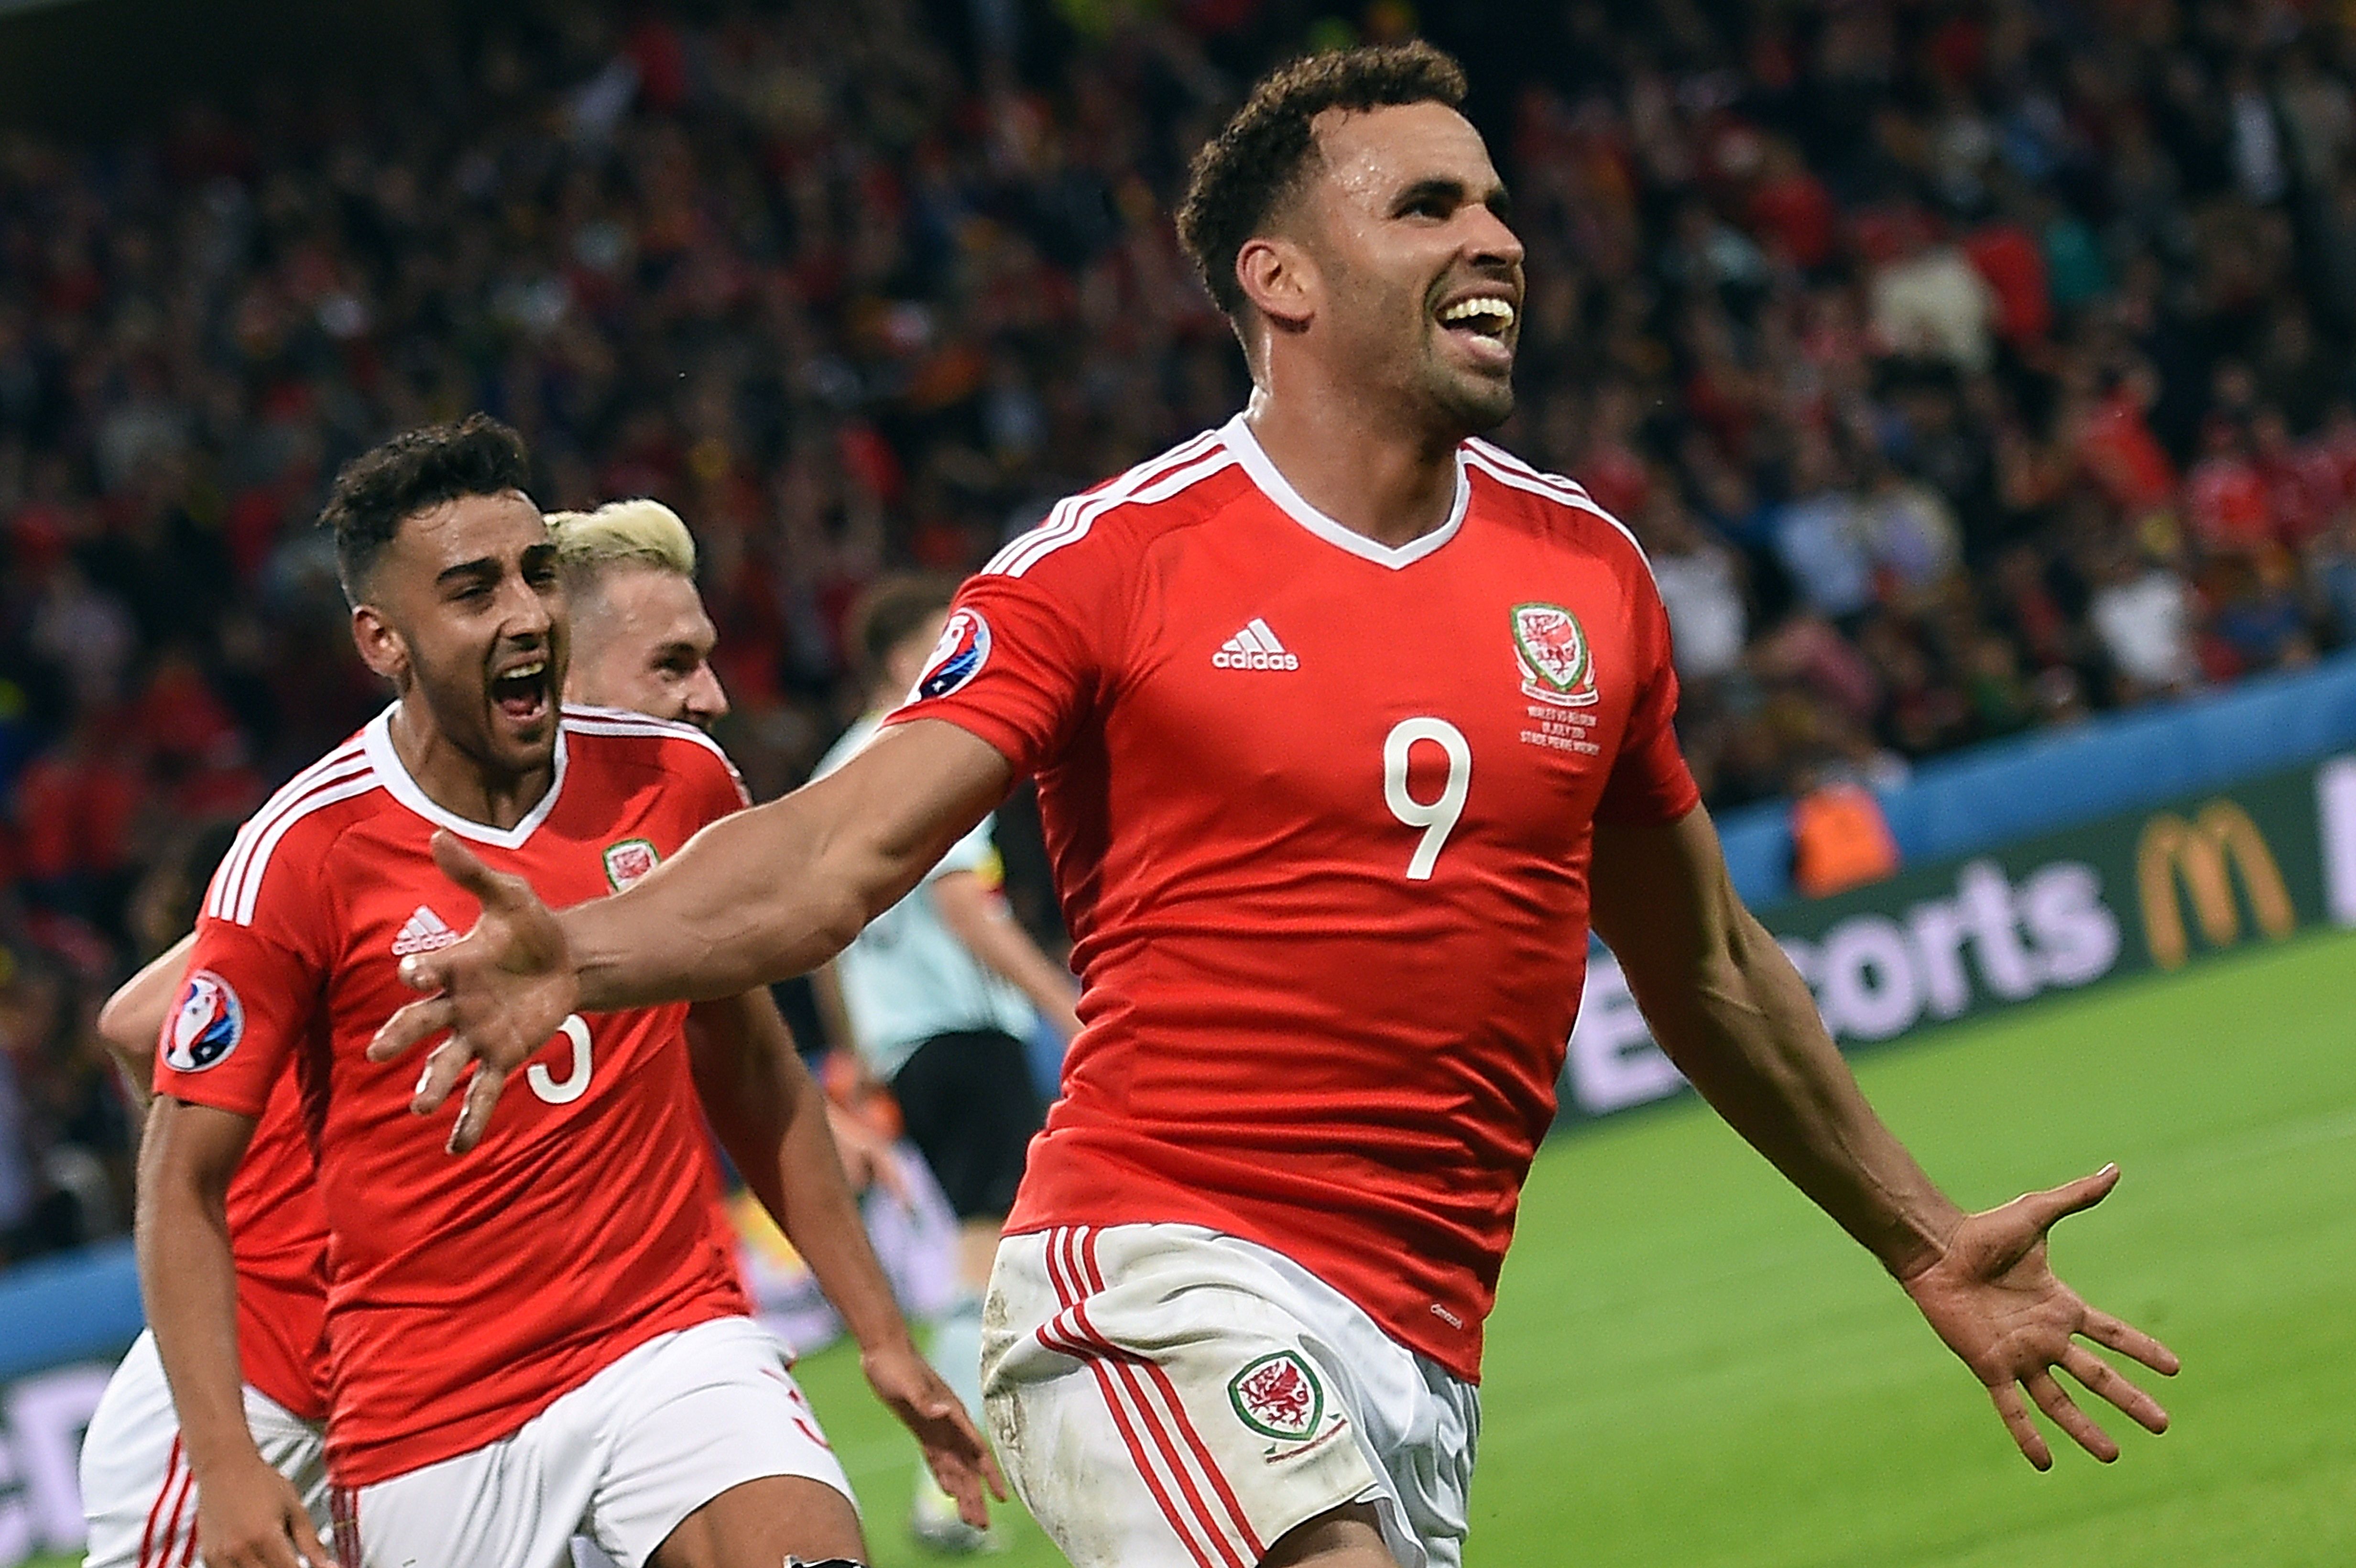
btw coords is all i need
(2197, 852)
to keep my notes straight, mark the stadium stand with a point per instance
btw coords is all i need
(1966, 365)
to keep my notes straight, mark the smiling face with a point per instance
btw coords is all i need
(1413, 281)
(464, 613)
(642, 641)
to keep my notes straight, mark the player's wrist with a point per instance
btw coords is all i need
(220, 1448)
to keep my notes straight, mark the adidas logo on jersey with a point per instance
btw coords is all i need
(422, 933)
(1254, 647)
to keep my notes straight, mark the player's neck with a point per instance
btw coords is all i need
(1352, 461)
(458, 783)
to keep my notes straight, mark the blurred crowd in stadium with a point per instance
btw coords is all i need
(1966, 366)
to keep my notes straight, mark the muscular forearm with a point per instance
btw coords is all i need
(1747, 1037)
(772, 893)
(188, 1278)
(752, 899)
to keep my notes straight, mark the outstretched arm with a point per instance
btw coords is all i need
(755, 898)
(133, 1016)
(768, 893)
(1732, 1013)
(248, 1515)
(772, 1120)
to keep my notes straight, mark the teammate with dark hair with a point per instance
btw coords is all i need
(1345, 723)
(622, 1392)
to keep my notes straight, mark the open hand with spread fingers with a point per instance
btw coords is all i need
(501, 993)
(1993, 1297)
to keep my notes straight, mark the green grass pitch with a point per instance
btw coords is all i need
(1690, 1368)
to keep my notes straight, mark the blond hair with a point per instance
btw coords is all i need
(643, 532)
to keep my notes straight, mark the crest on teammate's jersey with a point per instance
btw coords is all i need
(206, 1025)
(1556, 665)
(958, 657)
(1279, 1396)
(628, 861)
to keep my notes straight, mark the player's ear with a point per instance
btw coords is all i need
(383, 647)
(1280, 278)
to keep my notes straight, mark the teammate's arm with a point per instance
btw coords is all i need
(772, 1119)
(980, 921)
(133, 1017)
(248, 1515)
(1734, 1014)
(755, 898)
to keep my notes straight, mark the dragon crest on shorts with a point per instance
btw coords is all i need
(1279, 1396)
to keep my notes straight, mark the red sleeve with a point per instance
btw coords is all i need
(247, 1002)
(1650, 784)
(713, 787)
(1023, 655)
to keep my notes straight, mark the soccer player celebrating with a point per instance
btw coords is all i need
(1345, 724)
(620, 1388)
(640, 641)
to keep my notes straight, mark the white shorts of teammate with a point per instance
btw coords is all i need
(137, 1491)
(621, 1460)
(1163, 1396)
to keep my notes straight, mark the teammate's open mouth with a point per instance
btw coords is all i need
(1485, 324)
(521, 693)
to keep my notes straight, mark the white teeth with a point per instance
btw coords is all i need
(525, 671)
(1465, 310)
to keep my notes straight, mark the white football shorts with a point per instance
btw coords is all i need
(1164, 1396)
(620, 1460)
(137, 1491)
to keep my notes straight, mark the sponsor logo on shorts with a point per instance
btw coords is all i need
(958, 657)
(1558, 665)
(207, 1026)
(628, 861)
(1279, 1396)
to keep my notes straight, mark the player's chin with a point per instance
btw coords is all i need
(523, 736)
(1475, 404)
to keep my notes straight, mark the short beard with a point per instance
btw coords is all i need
(1465, 406)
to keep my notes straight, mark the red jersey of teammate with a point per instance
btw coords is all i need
(1320, 814)
(277, 1236)
(464, 1295)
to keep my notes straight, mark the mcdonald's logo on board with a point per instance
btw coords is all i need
(2201, 855)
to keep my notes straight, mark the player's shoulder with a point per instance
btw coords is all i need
(620, 740)
(1553, 504)
(1115, 522)
(295, 828)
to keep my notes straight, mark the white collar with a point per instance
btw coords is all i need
(385, 760)
(1279, 489)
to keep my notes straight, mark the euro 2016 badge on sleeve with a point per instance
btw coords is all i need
(206, 1025)
(956, 659)
(1557, 665)
(628, 861)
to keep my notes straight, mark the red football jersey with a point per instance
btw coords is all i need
(464, 1295)
(1320, 812)
(278, 1237)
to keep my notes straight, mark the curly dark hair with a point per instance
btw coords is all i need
(415, 472)
(1245, 172)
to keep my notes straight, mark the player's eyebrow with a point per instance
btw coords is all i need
(1435, 190)
(481, 567)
